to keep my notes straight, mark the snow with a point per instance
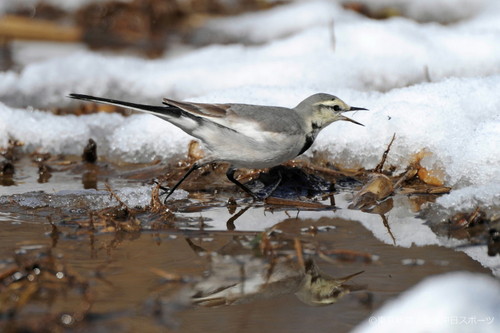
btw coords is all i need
(283, 19)
(48, 132)
(466, 198)
(452, 302)
(131, 140)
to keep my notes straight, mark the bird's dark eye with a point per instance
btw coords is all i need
(336, 108)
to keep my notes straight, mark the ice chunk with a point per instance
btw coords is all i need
(133, 197)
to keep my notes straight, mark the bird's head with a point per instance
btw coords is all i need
(324, 109)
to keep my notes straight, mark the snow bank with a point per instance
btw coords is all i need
(127, 138)
(453, 302)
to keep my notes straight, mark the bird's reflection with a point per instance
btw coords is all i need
(243, 277)
(318, 288)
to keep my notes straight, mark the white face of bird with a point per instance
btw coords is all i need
(330, 110)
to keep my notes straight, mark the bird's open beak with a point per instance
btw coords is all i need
(353, 108)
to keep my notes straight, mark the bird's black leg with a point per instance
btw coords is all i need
(193, 167)
(230, 176)
(163, 188)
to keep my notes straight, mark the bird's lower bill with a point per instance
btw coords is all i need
(350, 120)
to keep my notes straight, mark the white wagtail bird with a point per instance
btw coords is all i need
(245, 135)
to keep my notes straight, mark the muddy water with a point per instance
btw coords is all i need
(204, 267)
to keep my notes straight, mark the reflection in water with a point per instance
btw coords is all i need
(373, 199)
(318, 288)
(230, 222)
(241, 279)
(236, 275)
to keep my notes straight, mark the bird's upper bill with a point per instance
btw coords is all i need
(353, 108)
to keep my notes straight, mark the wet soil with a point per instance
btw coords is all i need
(90, 247)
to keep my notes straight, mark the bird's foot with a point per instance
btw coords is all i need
(166, 190)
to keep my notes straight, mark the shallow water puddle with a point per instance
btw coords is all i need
(194, 278)
(80, 259)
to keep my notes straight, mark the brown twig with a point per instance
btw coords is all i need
(295, 203)
(17, 27)
(425, 190)
(380, 166)
(114, 195)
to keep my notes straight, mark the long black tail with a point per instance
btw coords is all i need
(168, 111)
